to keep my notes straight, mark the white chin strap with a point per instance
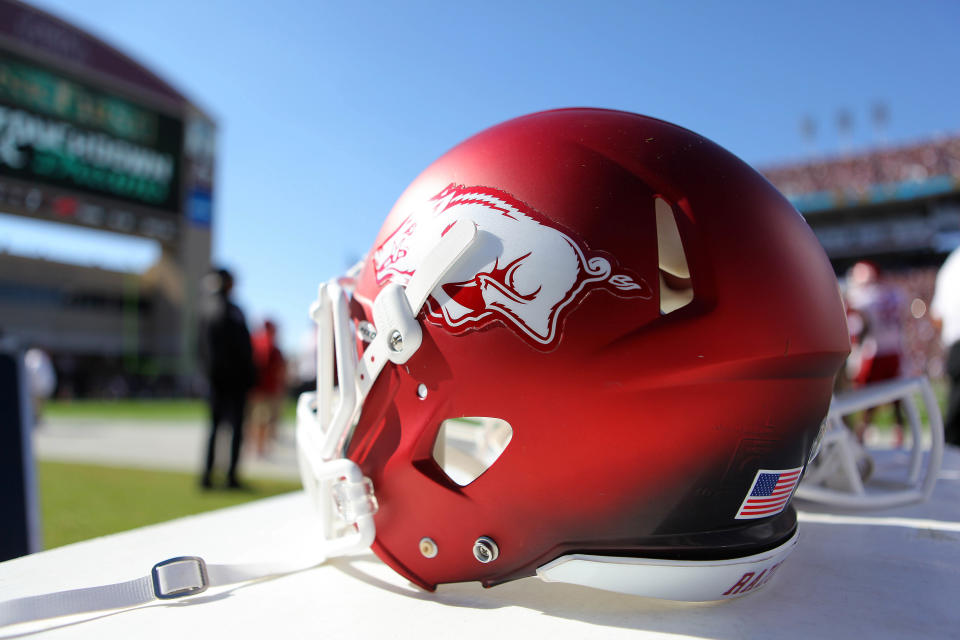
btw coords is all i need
(168, 580)
(836, 477)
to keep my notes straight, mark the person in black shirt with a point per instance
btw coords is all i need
(227, 357)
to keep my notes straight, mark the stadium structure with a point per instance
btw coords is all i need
(898, 207)
(91, 138)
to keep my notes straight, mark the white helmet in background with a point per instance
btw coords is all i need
(845, 474)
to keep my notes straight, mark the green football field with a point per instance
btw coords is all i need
(78, 501)
(139, 409)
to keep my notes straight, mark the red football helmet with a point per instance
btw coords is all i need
(586, 344)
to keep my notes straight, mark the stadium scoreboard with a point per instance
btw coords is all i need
(83, 147)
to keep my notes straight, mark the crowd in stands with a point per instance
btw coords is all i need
(860, 172)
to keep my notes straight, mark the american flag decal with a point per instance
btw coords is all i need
(769, 493)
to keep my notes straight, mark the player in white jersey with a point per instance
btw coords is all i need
(876, 323)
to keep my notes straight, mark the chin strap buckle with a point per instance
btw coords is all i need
(179, 577)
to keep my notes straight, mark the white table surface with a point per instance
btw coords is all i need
(889, 574)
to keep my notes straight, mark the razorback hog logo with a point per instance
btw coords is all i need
(523, 269)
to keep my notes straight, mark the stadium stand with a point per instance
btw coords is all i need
(900, 173)
(899, 207)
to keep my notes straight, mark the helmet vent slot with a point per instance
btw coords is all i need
(676, 287)
(467, 447)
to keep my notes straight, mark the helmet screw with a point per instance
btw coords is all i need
(428, 548)
(422, 391)
(396, 341)
(485, 549)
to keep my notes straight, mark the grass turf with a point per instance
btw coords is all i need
(176, 410)
(79, 501)
(171, 410)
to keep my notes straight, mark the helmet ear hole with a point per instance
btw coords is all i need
(676, 288)
(466, 447)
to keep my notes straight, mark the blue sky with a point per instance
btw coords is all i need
(326, 111)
